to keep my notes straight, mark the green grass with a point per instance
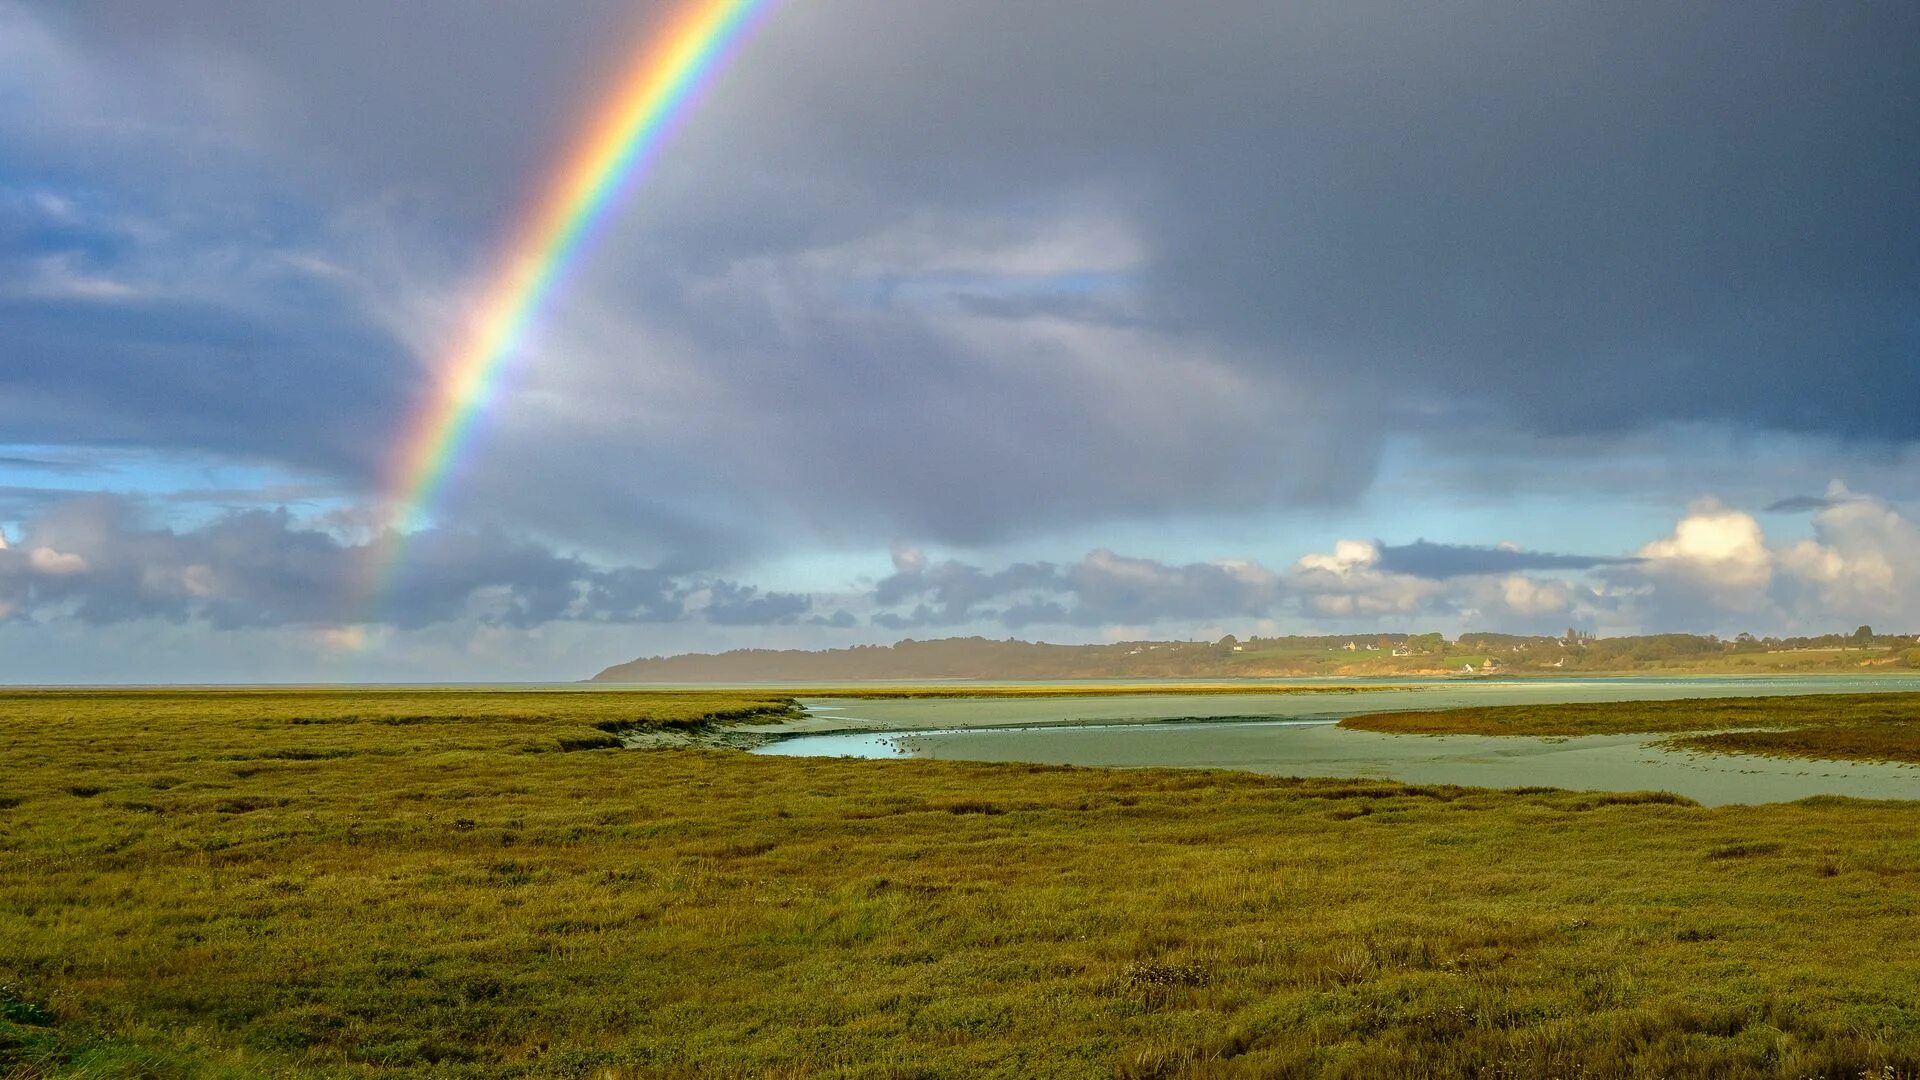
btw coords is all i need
(364, 884)
(1897, 740)
(1836, 727)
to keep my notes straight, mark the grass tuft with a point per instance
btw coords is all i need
(1745, 849)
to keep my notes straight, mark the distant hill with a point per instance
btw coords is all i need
(1349, 656)
(951, 658)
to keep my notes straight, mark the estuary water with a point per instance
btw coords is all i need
(1294, 735)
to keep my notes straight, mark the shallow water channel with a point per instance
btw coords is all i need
(1294, 735)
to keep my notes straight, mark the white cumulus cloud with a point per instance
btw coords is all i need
(1863, 562)
(1715, 554)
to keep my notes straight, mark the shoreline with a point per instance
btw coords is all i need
(1114, 685)
(841, 714)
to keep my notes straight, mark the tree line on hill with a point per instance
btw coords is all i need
(1322, 654)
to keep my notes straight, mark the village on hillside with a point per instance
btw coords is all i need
(1470, 655)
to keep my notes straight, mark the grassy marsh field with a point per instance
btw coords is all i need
(458, 883)
(1833, 727)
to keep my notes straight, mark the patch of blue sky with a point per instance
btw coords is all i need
(181, 490)
(821, 571)
(35, 217)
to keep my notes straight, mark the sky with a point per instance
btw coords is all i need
(1003, 318)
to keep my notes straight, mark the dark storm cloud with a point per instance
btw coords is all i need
(1577, 218)
(1563, 218)
(1351, 221)
(98, 559)
(1459, 222)
(300, 388)
(1426, 559)
(951, 591)
(1800, 504)
(744, 605)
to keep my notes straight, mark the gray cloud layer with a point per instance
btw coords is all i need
(1000, 267)
(963, 274)
(1424, 558)
(1717, 569)
(99, 560)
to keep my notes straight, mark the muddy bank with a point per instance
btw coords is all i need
(705, 738)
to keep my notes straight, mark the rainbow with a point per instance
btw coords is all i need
(615, 150)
